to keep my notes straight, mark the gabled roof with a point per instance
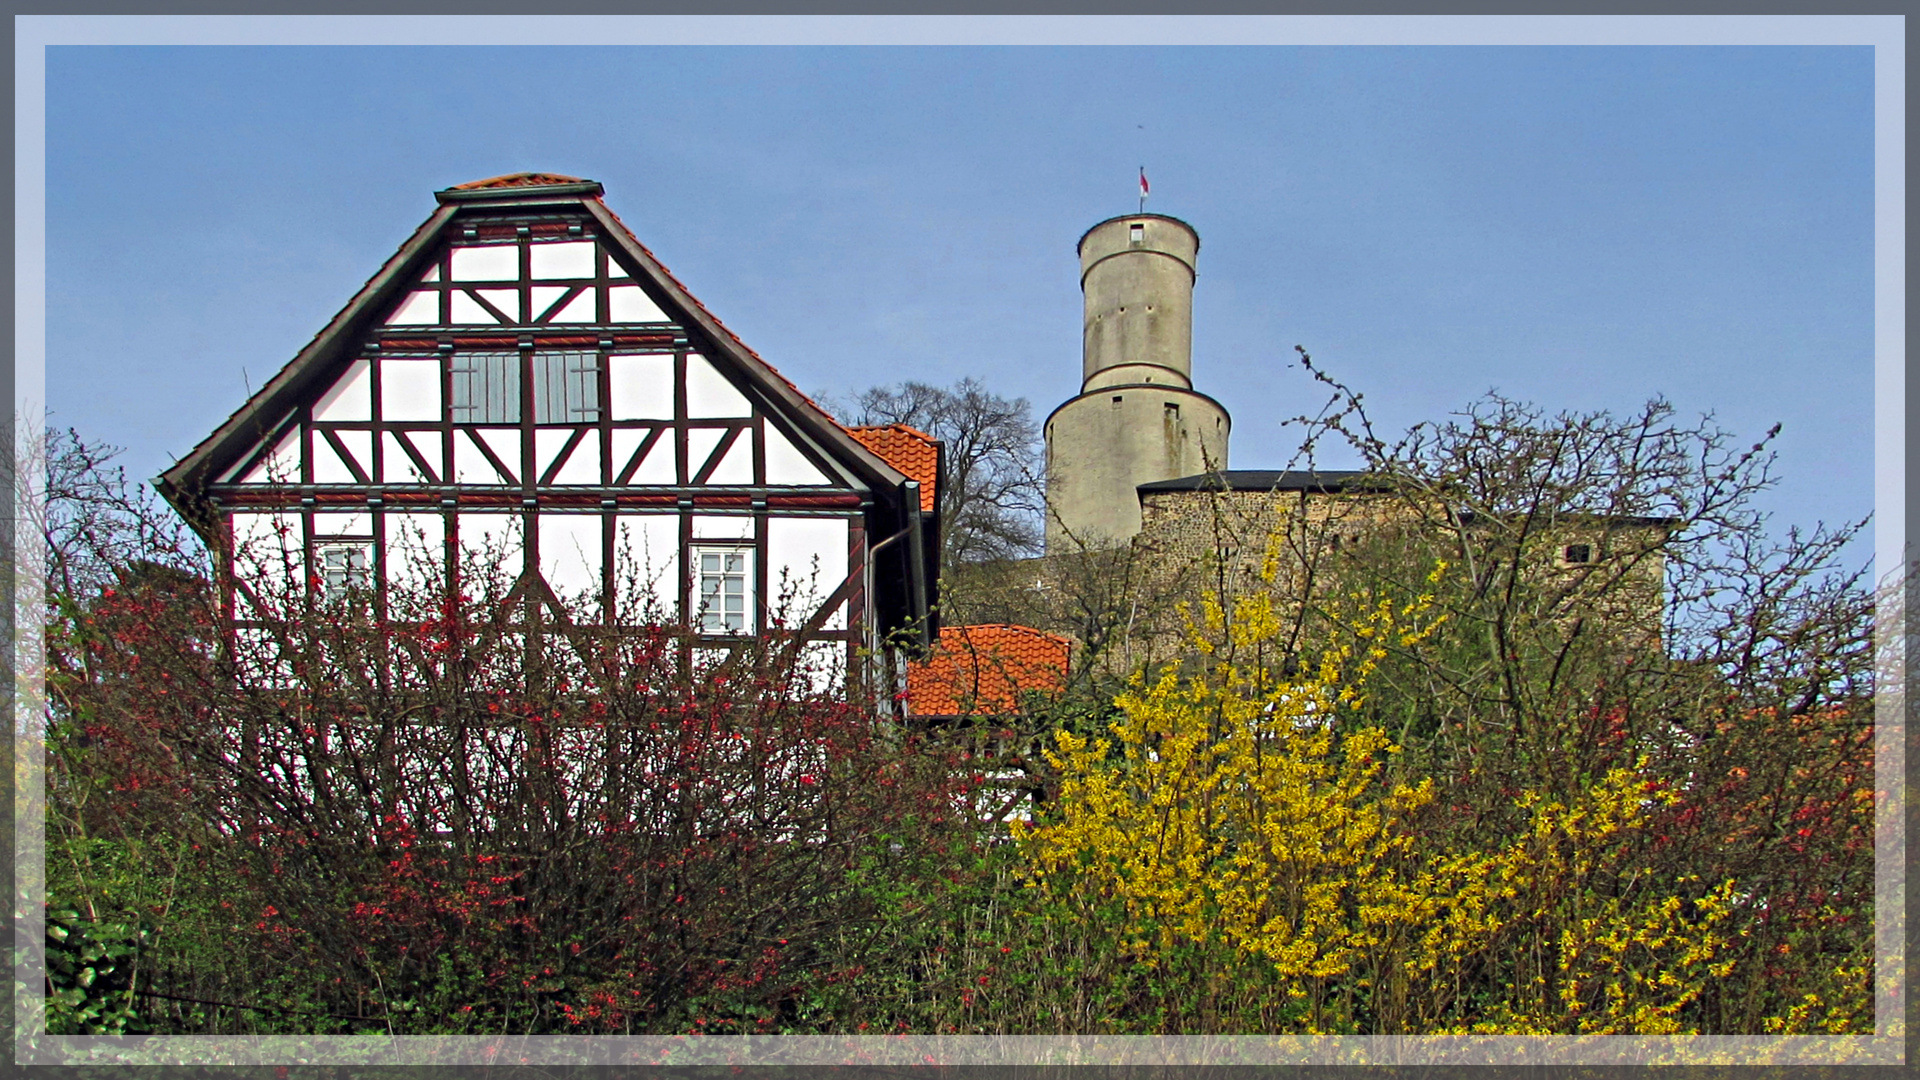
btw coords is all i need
(986, 670)
(182, 484)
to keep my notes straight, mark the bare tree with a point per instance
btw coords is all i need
(990, 506)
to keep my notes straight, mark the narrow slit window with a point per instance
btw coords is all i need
(724, 590)
(486, 388)
(566, 388)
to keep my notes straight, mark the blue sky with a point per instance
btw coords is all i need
(1582, 227)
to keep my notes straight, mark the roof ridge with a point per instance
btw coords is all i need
(518, 179)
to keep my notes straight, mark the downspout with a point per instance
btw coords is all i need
(917, 563)
(916, 567)
(878, 662)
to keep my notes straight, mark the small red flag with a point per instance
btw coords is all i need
(1143, 183)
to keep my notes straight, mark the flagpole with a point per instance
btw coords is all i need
(1143, 189)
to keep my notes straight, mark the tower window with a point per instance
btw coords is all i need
(1116, 399)
(1173, 410)
(1137, 233)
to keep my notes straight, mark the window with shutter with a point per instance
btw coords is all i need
(486, 388)
(566, 388)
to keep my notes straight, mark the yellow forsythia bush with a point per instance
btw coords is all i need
(1244, 804)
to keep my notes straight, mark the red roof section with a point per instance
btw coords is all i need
(984, 670)
(913, 452)
(514, 180)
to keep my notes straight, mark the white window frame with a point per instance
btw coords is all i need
(351, 577)
(715, 623)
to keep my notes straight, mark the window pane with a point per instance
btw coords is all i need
(566, 388)
(343, 568)
(724, 592)
(486, 388)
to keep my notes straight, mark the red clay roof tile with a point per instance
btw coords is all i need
(519, 179)
(911, 451)
(985, 670)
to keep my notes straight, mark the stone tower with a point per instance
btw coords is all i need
(1137, 418)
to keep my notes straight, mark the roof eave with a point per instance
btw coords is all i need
(188, 474)
(880, 475)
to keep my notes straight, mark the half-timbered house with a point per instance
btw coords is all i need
(524, 390)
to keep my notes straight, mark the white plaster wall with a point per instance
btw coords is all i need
(722, 527)
(700, 444)
(490, 262)
(470, 466)
(581, 309)
(786, 465)
(327, 467)
(268, 556)
(646, 567)
(568, 259)
(416, 561)
(359, 446)
(655, 468)
(505, 444)
(627, 304)
(409, 389)
(571, 558)
(737, 466)
(350, 397)
(541, 298)
(806, 562)
(490, 549)
(398, 467)
(583, 465)
(280, 467)
(710, 394)
(330, 523)
(641, 387)
(420, 308)
(464, 310)
(507, 300)
(824, 666)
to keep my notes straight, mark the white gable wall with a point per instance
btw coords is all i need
(441, 485)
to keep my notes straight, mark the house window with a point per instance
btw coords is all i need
(1578, 553)
(566, 388)
(723, 589)
(486, 388)
(342, 569)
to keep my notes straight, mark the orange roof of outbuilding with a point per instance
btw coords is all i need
(911, 451)
(985, 670)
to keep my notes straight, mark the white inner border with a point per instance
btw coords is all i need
(1885, 33)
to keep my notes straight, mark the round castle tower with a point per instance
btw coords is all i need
(1137, 418)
